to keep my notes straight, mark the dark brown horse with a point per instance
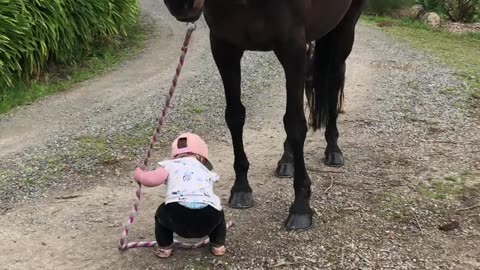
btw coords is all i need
(286, 27)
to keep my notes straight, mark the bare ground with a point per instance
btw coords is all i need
(412, 153)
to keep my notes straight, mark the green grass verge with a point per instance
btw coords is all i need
(60, 78)
(460, 51)
(399, 208)
(464, 187)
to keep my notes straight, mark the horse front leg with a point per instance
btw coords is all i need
(227, 58)
(291, 54)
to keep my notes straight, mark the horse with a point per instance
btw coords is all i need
(285, 27)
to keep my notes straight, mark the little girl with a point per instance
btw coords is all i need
(191, 209)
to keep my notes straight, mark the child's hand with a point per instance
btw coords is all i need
(138, 175)
(151, 178)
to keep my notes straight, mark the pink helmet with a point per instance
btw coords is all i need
(191, 143)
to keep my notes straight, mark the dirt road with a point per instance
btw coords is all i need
(412, 158)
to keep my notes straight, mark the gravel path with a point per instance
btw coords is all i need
(412, 158)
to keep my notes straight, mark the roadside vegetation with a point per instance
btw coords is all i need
(47, 46)
(458, 49)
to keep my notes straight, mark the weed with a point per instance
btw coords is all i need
(198, 109)
(461, 186)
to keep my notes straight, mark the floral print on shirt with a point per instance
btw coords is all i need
(190, 183)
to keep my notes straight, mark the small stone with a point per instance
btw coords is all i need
(416, 12)
(432, 19)
(450, 226)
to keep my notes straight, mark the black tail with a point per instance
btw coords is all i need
(323, 94)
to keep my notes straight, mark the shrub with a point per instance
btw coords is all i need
(382, 7)
(36, 32)
(14, 41)
(461, 10)
(477, 16)
(432, 5)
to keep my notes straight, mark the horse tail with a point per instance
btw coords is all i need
(322, 98)
(325, 93)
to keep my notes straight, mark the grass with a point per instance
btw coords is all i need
(463, 187)
(401, 208)
(113, 149)
(89, 151)
(5, 176)
(393, 207)
(198, 109)
(98, 148)
(60, 78)
(433, 198)
(460, 51)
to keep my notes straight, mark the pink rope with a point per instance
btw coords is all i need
(124, 244)
(176, 243)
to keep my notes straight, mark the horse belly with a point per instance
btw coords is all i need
(249, 34)
(257, 36)
(324, 16)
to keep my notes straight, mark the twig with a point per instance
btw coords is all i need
(448, 142)
(67, 197)
(418, 223)
(365, 259)
(342, 257)
(4, 211)
(445, 142)
(331, 185)
(283, 263)
(468, 208)
(323, 171)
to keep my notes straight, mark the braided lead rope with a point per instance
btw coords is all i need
(176, 243)
(124, 245)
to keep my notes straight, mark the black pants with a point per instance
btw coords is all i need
(189, 223)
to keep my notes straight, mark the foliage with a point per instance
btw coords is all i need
(477, 16)
(59, 77)
(432, 5)
(386, 6)
(34, 33)
(461, 10)
(455, 10)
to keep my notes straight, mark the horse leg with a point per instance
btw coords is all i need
(227, 58)
(342, 103)
(333, 154)
(291, 54)
(331, 54)
(285, 168)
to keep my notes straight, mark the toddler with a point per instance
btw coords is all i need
(191, 209)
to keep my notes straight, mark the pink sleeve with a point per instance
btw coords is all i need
(151, 178)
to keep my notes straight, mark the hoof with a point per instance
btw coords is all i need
(241, 200)
(334, 159)
(285, 170)
(298, 222)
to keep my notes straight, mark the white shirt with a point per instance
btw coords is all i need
(189, 181)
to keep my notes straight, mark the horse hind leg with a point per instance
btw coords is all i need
(326, 98)
(285, 167)
(342, 103)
